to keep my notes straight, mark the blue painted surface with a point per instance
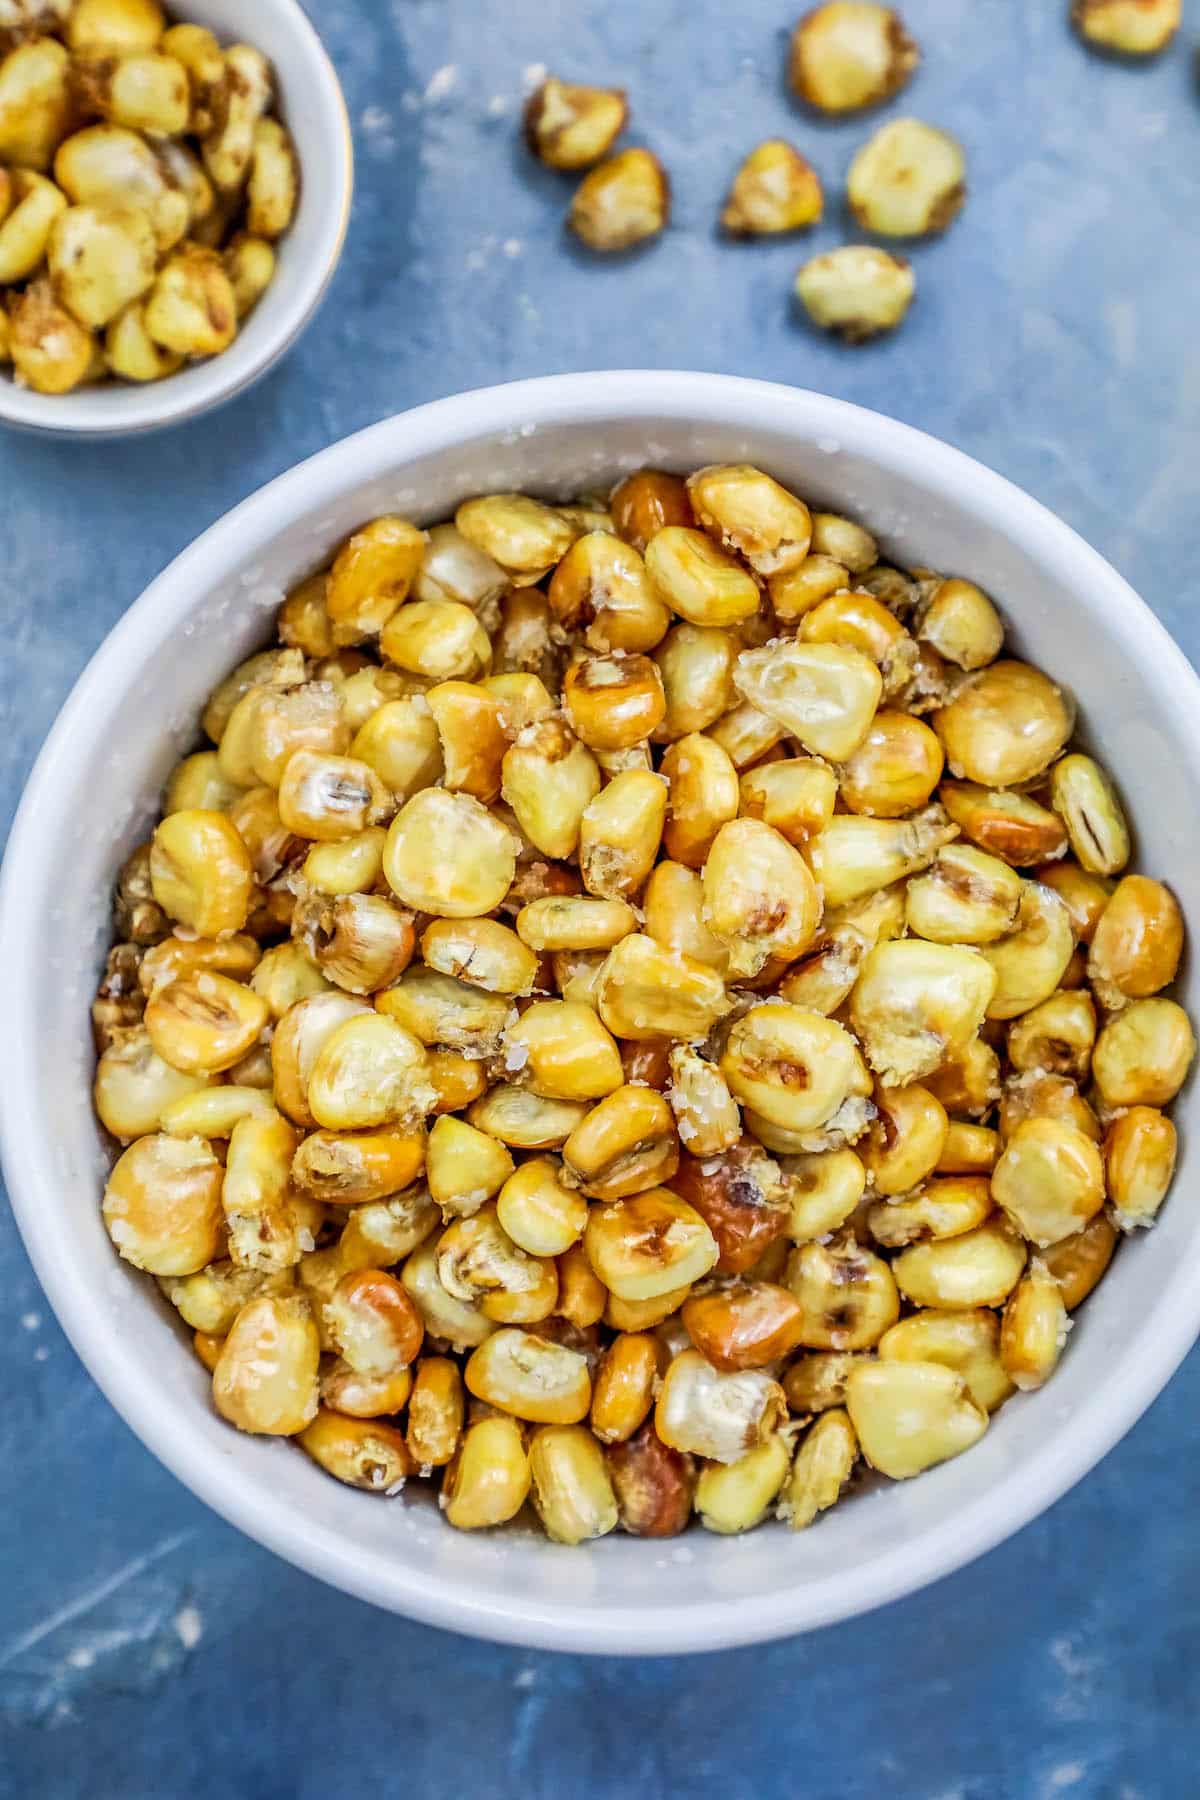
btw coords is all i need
(145, 1648)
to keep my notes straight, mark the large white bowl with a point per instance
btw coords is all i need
(95, 791)
(309, 100)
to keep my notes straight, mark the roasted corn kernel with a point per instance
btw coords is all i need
(265, 1380)
(464, 1167)
(977, 1268)
(622, 201)
(850, 54)
(1137, 942)
(907, 180)
(966, 1340)
(775, 190)
(1127, 27)
(915, 1003)
(570, 126)
(487, 1482)
(908, 1416)
(856, 291)
(1143, 1054)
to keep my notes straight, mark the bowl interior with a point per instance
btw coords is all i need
(135, 713)
(309, 100)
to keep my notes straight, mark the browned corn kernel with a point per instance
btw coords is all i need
(35, 102)
(816, 1381)
(824, 694)
(540, 1213)
(447, 855)
(620, 832)
(645, 991)
(743, 1324)
(1137, 943)
(162, 1205)
(706, 1114)
(197, 783)
(298, 1038)
(1084, 896)
(653, 1484)
(134, 1086)
(915, 1003)
(614, 701)
(266, 1379)
(477, 1262)
(622, 201)
(1034, 1329)
(435, 1412)
(847, 1296)
(968, 1150)
(470, 723)
(581, 1295)
(822, 1189)
(211, 1299)
(1038, 1094)
(1139, 1161)
(696, 665)
(703, 796)
(1127, 27)
(464, 1167)
(752, 515)
(462, 1325)
(525, 1120)
(625, 1144)
(354, 1168)
(208, 1349)
(980, 1268)
(264, 1226)
(561, 1050)
(1077, 1262)
(204, 1023)
(648, 1244)
(795, 797)
(740, 1199)
(911, 1415)
(237, 103)
(487, 1482)
(374, 1324)
(797, 1070)
(968, 1080)
(601, 590)
(524, 536)
(1011, 826)
(775, 190)
(441, 640)
(379, 1233)
(823, 1465)
(894, 770)
(269, 668)
(966, 1340)
(623, 1392)
(906, 1139)
(1030, 961)
(116, 26)
(704, 1412)
(368, 1071)
(746, 735)
(1005, 725)
(572, 1493)
(1056, 1036)
(570, 126)
(857, 291)
(698, 580)
(1086, 801)
(961, 623)
(363, 1452)
(1143, 1054)
(759, 896)
(452, 568)
(945, 1207)
(646, 501)
(907, 180)
(849, 54)
(530, 1377)
(364, 1396)
(360, 942)
(456, 1080)
(797, 591)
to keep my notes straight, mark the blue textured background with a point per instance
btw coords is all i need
(145, 1648)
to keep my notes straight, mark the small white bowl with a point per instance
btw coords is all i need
(309, 100)
(95, 792)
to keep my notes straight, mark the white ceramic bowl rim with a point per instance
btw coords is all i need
(135, 1389)
(312, 102)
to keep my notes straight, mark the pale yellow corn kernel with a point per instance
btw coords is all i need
(488, 1481)
(452, 568)
(575, 973)
(523, 698)
(521, 534)
(363, 1452)
(1127, 27)
(549, 779)
(1078, 1262)
(198, 784)
(760, 898)
(464, 1167)
(174, 957)
(624, 1145)
(746, 735)
(299, 1036)
(850, 54)
(1033, 1332)
(140, 90)
(435, 1412)
(906, 1139)
(561, 1050)
(368, 1071)
(1011, 826)
(361, 942)
(911, 1415)
(250, 265)
(824, 695)
(481, 952)
(820, 1470)
(270, 724)
(961, 623)
(613, 701)
(703, 795)
(1056, 1036)
(371, 576)
(268, 668)
(1137, 942)
(648, 1244)
(530, 1377)
(134, 1086)
(794, 797)
(1049, 1179)
(574, 922)
(162, 1205)
(965, 1340)
(720, 1416)
(51, 351)
(845, 540)
(775, 190)
(331, 797)
(847, 1296)
(400, 741)
(200, 872)
(979, 1268)
(621, 202)
(915, 1003)
(1005, 725)
(383, 1232)
(698, 580)
(539, 1212)
(273, 181)
(1143, 1054)
(822, 981)
(471, 730)
(907, 180)
(1139, 1162)
(213, 1112)
(967, 897)
(1038, 1094)
(855, 856)
(857, 621)
(116, 26)
(696, 665)
(823, 1189)
(947, 1206)
(857, 291)
(625, 1384)
(461, 1324)
(751, 515)
(32, 205)
(190, 310)
(706, 1114)
(238, 103)
(1029, 961)
(570, 126)
(797, 591)
(205, 1023)
(447, 855)
(187, 181)
(524, 1120)
(619, 835)
(794, 1068)
(439, 639)
(737, 1496)
(968, 1149)
(266, 1378)
(211, 1299)
(264, 1229)
(351, 865)
(645, 991)
(673, 902)
(644, 1315)
(35, 102)
(200, 53)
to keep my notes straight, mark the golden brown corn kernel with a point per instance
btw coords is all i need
(797, 1070)
(1005, 725)
(117, 26)
(1127, 27)
(1011, 826)
(1038, 1094)
(488, 1481)
(162, 1205)
(401, 742)
(857, 621)
(373, 1323)
(265, 1380)
(238, 102)
(350, 865)
(646, 501)
(894, 770)
(759, 896)
(704, 1412)
(250, 265)
(134, 1086)
(978, 1268)
(968, 1150)
(775, 190)
(1077, 1262)
(452, 568)
(441, 640)
(264, 1227)
(273, 181)
(562, 1051)
(905, 1140)
(1034, 1329)
(361, 1451)
(620, 832)
(795, 797)
(601, 589)
(849, 54)
(570, 126)
(204, 1023)
(525, 1120)
(581, 1296)
(461, 1324)
(644, 1315)
(371, 576)
(364, 1396)
(673, 901)
(456, 1080)
(746, 735)
(624, 1145)
(646, 991)
(613, 702)
(481, 952)
(1142, 1056)
(703, 796)
(737, 1496)
(269, 668)
(1137, 943)
(1139, 1162)
(823, 1465)
(35, 102)
(706, 1114)
(572, 1493)
(744, 1324)
(648, 1244)
(751, 515)
(968, 1079)
(368, 1071)
(967, 897)
(174, 957)
(354, 1168)
(447, 855)
(907, 180)
(191, 310)
(698, 580)
(622, 201)
(961, 623)
(208, 1349)
(470, 725)
(211, 1299)
(549, 778)
(331, 797)
(361, 942)
(198, 784)
(816, 1381)
(1084, 896)
(51, 351)
(521, 534)
(741, 1199)
(435, 1412)
(653, 1484)
(846, 1295)
(298, 1038)
(911, 1415)
(966, 1340)
(916, 1003)
(530, 1377)
(797, 591)
(945, 1207)
(624, 1387)
(696, 665)
(540, 1213)
(464, 1167)
(269, 725)
(1056, 1036)
(822, 1190)
(857, 291)
(29, 206)
(824, 694)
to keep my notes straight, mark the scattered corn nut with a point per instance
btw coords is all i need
(447, 855)
(735, 1497)
(134, 1086)
(816, 1381)
(435, 1412)
(775, 190)
(907, 180)
(621, 202)
(190, 310)
(967, 897)
(204, 1023)
(360, 942)
(857, 291)
(751, 515)
(648, 1244)
(238, 102)
(743, 1324)
(115, 25)
(968, 1150)
(570, 126)
(908, 1416)
(824, 694)
(964, 1339)
(706, 1114)
(849, 54)
(263, 1225)
(796, 1070)
(439, 1009)
(1127, 27)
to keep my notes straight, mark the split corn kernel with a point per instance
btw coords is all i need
(702, 1412)
(775, 190)
(205, 1023)
(850, 54)
(907, 180)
